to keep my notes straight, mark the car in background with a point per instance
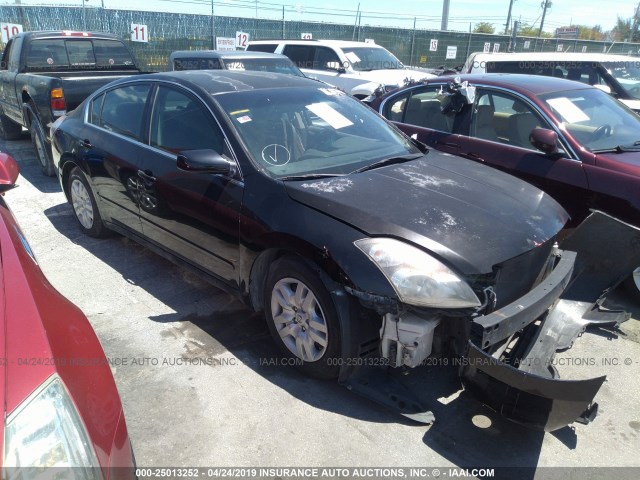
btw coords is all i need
(358, 68)
(573, 141)
(61, 404)
(360, 248)
(236, 60)
(617, 75)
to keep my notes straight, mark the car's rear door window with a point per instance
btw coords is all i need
(123, 110)
(301, 55)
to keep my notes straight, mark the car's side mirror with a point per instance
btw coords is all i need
(9, 172)
(208, 161)
(604, 88)
(544, 140)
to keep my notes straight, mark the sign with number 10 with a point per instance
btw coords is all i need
(9, 30)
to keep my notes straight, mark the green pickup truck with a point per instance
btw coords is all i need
(43, 75)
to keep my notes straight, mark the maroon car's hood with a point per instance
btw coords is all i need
(627, 162)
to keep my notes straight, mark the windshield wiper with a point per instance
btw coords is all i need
(388, 161)
(311, 176)
(632, 147)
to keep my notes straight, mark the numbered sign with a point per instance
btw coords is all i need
(584, 49)
(487, 47)
(306, 36)
(496, 47)
(242, 38)
(560, 47)
(369, 40)
(527, 44)
(139, 33)
(10, 30)
(433, 45)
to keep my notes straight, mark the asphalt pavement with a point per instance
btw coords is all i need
(203, 384)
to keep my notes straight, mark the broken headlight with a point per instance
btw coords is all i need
(417, 277)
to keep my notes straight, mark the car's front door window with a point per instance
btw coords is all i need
(180, 122)
(500, 117)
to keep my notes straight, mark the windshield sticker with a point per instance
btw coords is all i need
(235, 66)
(244, 119)
(330, 115)
(276, 154)
(569, 111)
(352, 57)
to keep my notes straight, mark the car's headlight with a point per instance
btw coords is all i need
(417, 277)
(46, 431)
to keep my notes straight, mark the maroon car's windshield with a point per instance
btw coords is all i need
(596, 120)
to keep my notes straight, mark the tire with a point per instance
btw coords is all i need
(302, 318)
(84, 205)
(9, 130)
(42, 148)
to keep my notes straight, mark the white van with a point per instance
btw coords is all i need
(357, 68)
(615, 74)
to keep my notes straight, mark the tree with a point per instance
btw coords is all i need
(589, 33)
(484, 27)
(622, 31)
(525, 30)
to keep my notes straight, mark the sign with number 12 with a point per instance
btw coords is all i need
(242, 38)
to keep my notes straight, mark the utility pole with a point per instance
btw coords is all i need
(506, 25)
(445, 15)
(213, 28)
(545, 4)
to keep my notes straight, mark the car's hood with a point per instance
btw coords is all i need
(470, 215)
(626, 162)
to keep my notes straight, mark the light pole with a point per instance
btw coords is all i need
(545, 4)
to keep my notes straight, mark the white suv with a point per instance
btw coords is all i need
(356, 67)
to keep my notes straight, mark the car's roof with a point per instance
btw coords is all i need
(68, 34)
(222, 81)
(237, 54)
(525, 84)
(333, 43)
(553, 57)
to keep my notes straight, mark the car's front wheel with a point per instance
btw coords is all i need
(84, 205)
(302, 318)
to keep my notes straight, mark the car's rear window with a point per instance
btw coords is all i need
(83, 53)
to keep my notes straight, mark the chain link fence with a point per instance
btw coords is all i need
(168, 32)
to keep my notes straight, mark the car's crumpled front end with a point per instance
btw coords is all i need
(535, 305)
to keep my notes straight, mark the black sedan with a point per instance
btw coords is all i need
(355, 242)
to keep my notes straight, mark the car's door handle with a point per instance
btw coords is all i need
(147, 177)
(448, 144)
(86, 143)
(473, 156)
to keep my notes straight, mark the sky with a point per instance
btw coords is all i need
(427, 13)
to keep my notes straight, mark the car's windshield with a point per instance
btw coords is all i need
(368, 58)
(83, 53)
(277, 65)
(596, 120)
(309, 131)
(627, 73)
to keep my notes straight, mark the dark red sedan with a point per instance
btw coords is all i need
(61, 405)
(571, 140)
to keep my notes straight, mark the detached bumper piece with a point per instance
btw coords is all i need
(521, 383)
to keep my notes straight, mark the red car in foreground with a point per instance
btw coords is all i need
(61, 404)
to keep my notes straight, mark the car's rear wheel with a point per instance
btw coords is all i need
(42, 148)
(302, 318)
(84, 205)
(9, 130)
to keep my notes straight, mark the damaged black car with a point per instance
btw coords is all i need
(362, 247)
